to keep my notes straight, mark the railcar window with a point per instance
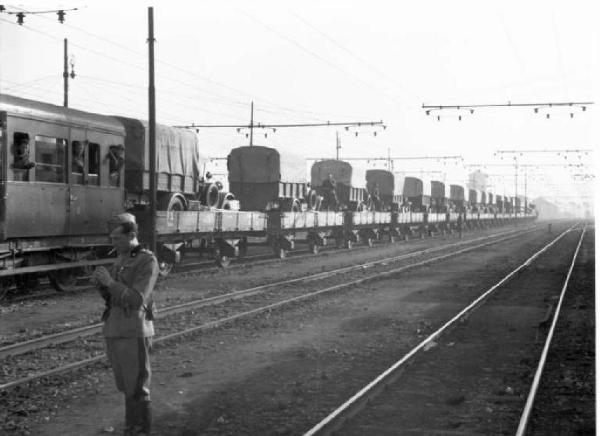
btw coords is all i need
(94, 163)
(77, 161)
(116, 160)
(50, 159)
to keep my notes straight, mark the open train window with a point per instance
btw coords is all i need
(94, 163)
(77, 161)
(50, 159)
(116, 160)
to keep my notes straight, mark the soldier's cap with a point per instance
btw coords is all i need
(122, 218)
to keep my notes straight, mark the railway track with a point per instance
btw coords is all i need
(83, 347)
(347, 418)
(190, 266)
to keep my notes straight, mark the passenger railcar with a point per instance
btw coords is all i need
(65, 172)
(58, 188)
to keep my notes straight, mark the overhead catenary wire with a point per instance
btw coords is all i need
(224, 100)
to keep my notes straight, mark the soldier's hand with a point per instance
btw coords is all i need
(102, 276)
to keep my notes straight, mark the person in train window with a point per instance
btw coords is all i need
(21, 152)
(115, 163)
(77, 159)
(128, 328)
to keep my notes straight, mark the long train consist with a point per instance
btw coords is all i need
(64, 173)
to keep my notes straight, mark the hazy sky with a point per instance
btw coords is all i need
(333, 60)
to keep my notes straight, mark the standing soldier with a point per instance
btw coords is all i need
(128, 329)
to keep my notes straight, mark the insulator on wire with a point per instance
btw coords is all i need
(20, 18)
(61, 16)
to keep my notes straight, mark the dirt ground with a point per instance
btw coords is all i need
(282, 372)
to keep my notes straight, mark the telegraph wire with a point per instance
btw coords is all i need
(358, 58)
(195, 75)
(319, 57)
(224, 100)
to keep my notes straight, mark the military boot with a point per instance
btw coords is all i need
(144, 418)
(131, 416)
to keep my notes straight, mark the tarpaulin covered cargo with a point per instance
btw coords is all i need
(384, 180)
(414, 186)
(473, 197)
(178, 160)
(457, 193)
(342, 172)
(438, 189)
(259, 164)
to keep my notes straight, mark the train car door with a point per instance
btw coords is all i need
(93, 198)
(77, 168)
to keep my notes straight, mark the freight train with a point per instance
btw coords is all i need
(64, 173)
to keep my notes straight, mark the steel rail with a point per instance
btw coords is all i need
(538, 373)
(89, 330)
(335, 419)
(217, 323)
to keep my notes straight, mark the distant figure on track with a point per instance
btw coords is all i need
(128, 329)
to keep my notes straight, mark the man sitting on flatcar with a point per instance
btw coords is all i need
(329, 192)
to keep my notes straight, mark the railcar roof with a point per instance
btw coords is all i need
(45, 111)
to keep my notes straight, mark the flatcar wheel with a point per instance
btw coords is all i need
(165, 268)
(223, 261)
(313, 248)
(63, 280)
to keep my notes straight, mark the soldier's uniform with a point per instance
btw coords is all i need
(128, 330)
